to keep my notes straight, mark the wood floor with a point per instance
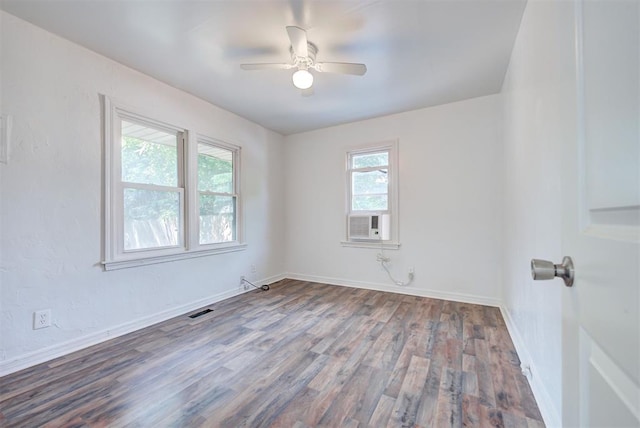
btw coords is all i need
(300, 355)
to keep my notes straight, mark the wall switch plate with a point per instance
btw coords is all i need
(41, 319)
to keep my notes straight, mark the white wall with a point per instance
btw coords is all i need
(450, 160)
(539, 101)
(51, 201)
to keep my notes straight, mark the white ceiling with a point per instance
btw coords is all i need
(418, 53)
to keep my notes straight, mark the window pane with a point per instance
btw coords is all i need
(370, 182)
(151, 218)
(370, 159)
(217, 219)
(369, 203)
(149, 156)
(215, 169)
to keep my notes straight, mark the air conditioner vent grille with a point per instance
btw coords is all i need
(359, 226)
(374, 227)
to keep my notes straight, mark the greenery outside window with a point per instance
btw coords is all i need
(369, 181)
(151, 186)
(217, 196)
(168, 194)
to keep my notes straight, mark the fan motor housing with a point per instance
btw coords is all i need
(309, 60)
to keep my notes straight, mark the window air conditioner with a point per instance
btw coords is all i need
(372, 227)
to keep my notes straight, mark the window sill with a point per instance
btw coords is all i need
(374, 245)
(144, 261)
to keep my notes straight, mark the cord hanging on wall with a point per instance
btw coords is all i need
(265, 287)
(380, 257)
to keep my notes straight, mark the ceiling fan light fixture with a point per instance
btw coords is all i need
(302, 79)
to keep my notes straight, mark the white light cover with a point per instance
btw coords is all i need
(302, 79)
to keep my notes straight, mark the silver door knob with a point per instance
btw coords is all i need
(543, 270)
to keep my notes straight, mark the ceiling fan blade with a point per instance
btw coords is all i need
(341, 67)
(307, 92)
(266, 66)
(298, 38)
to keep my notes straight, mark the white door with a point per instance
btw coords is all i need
(601, 221)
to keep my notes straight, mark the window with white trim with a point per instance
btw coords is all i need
(369, 181)
(372, 188)
(217, 193)
(150, 186)
(169, 193)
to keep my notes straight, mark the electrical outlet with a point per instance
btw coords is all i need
(526, 371)
(243, 283)
(253, 269)
(412, 270)
(41, 319)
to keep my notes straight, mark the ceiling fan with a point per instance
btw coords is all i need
(303, 57)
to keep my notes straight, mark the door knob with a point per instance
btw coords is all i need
(543, 270)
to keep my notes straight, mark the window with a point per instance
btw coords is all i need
(169, 194)
(369, 181)
(216, 194)
(372, 188)
(151, 186)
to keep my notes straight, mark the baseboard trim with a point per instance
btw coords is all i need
(545, 404)
(434, 294)
(43, 355)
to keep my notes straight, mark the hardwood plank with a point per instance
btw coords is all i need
(370, 384)
(414, 345)
(405, 410)
(357, 399)
(506, 393)
(378, 355)
(470, 411)
(453, 322)
(468, 345)
(483, 371)
(512, 421)
(290, 416)
(350, 338)
(382, 412)
(470, 383)
(384, 312)
(431, 390)
(490, 417)
(324, 400)
(385, 351)
(329, 373)
(449, 410)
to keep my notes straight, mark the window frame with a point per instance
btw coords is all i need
(391, 147)
(351, 171)
(114, 255)
(195, 192)
(120, 185)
